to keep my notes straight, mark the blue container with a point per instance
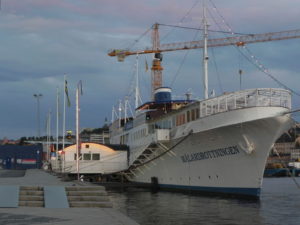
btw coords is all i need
(21, 157)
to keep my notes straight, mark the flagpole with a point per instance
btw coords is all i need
(57, 121)
(49, 133)
(78, 143)
(64, 123)
(77, 133)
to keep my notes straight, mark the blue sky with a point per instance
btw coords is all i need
(40, 40)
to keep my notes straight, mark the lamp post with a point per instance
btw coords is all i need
(38, 96)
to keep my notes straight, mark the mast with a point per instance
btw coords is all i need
(125, 109)
(49, 136)
(137, 91)
(113, 114)
(205, 54)
(120, 113)
(64, 123)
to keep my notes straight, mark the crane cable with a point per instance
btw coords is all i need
(181, 20)
(139, 38)
(182, 62)
(194, 28)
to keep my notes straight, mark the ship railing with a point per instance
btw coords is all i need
(245, 99)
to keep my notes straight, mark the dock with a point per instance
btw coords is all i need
(37, 197)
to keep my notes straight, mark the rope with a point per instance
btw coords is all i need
(217, 71)
(263, 69)
(257, 64)
(287, 169)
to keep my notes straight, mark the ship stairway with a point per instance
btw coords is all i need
(147, 158)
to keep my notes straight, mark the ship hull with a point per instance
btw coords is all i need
(225, 160)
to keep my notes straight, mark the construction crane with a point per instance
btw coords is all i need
(157, 48)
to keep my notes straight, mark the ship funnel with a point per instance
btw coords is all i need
(163, 94)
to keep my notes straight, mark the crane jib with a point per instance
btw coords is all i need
(218, 42)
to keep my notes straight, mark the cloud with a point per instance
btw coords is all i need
(41, 40)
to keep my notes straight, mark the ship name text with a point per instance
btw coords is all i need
(221, 152)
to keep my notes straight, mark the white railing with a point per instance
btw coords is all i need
(246, 99)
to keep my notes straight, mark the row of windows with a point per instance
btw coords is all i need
(188, 116)
(136, 135)
(139, 134)
(192, 115)
(164, 124)
(88, 156)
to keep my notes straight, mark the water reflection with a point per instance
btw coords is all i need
(279, 204)
(178, 209)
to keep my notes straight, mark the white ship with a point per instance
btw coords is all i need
(216, 145)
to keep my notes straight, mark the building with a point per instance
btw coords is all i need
(93, 159)
(21, 157)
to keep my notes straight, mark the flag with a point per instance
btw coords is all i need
(67, 93)
(146, 65)
(79, 86)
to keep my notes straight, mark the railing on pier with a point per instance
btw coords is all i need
(246, 99)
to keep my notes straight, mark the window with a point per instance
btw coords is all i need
(180, 119)
(197, 114)
(188, 116)
(96, 156)
(86, 156)
(75, 156)
(193, 114)
(183, 118)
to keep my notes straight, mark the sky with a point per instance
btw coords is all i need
(41, 40)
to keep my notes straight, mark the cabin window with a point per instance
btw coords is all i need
(197, 114)
(96, 156)
(188, 116)
(86, 156)
(75, 156)
(180, 119)
(193, 114)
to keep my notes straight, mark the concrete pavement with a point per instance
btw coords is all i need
(44, 216)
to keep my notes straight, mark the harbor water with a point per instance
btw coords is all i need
(279, 204)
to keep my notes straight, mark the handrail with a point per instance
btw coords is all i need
(245, 99)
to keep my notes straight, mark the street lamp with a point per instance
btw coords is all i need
(38, 96)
